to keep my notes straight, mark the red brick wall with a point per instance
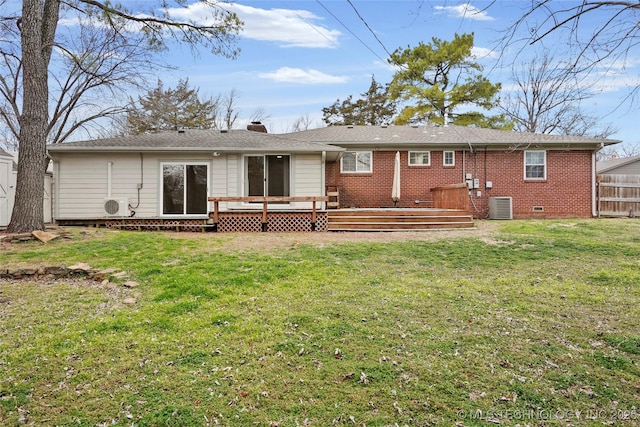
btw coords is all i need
(565, 193)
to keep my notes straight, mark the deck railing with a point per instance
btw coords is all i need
(265, 204)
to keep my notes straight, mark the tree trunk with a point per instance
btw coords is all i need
(37, 32)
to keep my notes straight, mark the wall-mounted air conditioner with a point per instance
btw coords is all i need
(116, 206)
(500, 208)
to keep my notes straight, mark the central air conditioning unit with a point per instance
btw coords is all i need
(500, 208)
(116, 206)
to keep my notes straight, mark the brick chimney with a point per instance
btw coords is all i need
(257, 127)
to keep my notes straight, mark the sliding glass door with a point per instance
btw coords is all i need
(184, 188)
(267, 175)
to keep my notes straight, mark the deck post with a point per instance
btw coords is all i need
(313, 216)
(265, 200)
(265, 222)
(216, 210)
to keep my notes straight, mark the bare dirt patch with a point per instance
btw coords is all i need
(266, 241)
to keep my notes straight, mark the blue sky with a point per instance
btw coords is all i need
(298, 56)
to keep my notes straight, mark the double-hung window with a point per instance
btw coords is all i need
(419, 158)
(448, 158)
(535, 165)
(184, 188)
(356, 162)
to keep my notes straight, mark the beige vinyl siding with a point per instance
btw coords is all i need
(81, 186)
(306, 179)
(82, 182)
(632, 168)
(234, 169)
(219, 179)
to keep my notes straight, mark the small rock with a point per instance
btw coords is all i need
(56, 271)
(44, 236)
(20, 273)
(130, 284)
(129, 301)
(104, 274)
(80, 267)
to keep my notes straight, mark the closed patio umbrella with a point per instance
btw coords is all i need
(395, 189)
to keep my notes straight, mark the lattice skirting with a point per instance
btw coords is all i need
(239, 222)
(229, 222)
(276, 222)
(159, 224)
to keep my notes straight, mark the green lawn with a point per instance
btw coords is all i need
(537, 324)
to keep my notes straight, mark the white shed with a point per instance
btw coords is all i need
(8, 178)
(7, 187)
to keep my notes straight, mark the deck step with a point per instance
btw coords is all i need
(398, 227)
(397, 219)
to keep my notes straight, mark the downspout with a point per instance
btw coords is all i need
(464, 155)
(594, 210)
(55, 196)
(109, 174)
(323, 178)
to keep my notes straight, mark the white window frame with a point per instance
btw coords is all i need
(357, 154)
(419, 164)
(444, 158)
(183, 163)
(543, 164)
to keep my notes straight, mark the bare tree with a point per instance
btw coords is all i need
(26, 65)
(7, 141)
(610, 40)
(546, 99)
(618, 152)
(229, 114)
(95, 66)
(301, 123)
(259, 115)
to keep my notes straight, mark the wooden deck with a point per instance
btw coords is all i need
(397, 219)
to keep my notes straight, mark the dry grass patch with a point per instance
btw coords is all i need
(418, 329)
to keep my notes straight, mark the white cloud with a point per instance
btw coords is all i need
(607, 82)
(483, 52)
(298, 75)
(465, 10)
(288, 27)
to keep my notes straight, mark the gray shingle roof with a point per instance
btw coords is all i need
(4, 153)
(434, 135)
(330, 139)
(607, 165)
(198, 140)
